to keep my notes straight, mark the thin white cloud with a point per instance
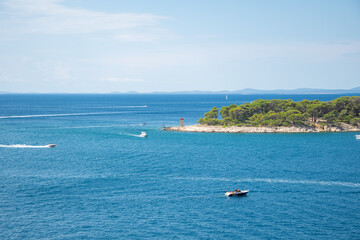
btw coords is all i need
(50, 17)
(151, 34)
(3, 76)
(122, 80)
(62, 72)
(249, 52)
(216, 55)
(136, 37)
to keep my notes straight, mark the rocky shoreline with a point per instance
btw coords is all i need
(245, 129)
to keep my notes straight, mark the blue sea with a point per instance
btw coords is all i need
(102, 181)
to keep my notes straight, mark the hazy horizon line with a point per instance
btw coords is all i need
(244, 91)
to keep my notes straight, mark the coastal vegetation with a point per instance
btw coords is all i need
(274, 113)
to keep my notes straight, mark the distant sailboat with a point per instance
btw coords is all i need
(226, 97)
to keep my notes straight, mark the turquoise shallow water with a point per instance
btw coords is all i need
(102, 181)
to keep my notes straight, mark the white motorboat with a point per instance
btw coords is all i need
(143, 134)
(357, 137)
(51, 145)
(236, 193)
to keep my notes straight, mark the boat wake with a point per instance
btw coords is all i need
(60, 115)
(276, 180)
(102, 126)
(25, 146)
(134, 135)
(109, 107)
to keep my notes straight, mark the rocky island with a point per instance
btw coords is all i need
(285, 116)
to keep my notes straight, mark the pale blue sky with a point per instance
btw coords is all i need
(145, 46)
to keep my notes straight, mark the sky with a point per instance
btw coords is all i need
(91, 46)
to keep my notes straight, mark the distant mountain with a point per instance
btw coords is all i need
(194, 92)
(249, 91)
(356, 89)
(246, 91)
(299, 91)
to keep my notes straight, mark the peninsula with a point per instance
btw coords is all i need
(286, 116)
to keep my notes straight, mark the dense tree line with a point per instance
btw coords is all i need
(287, 113)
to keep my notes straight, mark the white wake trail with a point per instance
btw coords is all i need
(23, 146)
(275, 180)
(107, 107)
(101, 126)
(59, 115)
(327, 183)
(131, 135)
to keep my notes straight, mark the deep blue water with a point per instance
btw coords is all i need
(102, 181)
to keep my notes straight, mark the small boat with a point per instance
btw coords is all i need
(357, 137)
(143, 134)
(51, 145)
(236, 193)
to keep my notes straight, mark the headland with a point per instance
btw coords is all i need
(283, 116)
(263, 129)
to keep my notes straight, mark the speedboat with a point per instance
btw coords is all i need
(236, 193)
(357, 137)
(143, 134)
(51, 145)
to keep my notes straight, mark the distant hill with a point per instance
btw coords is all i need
(249, 91)
(246, 91)
(300, 91)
